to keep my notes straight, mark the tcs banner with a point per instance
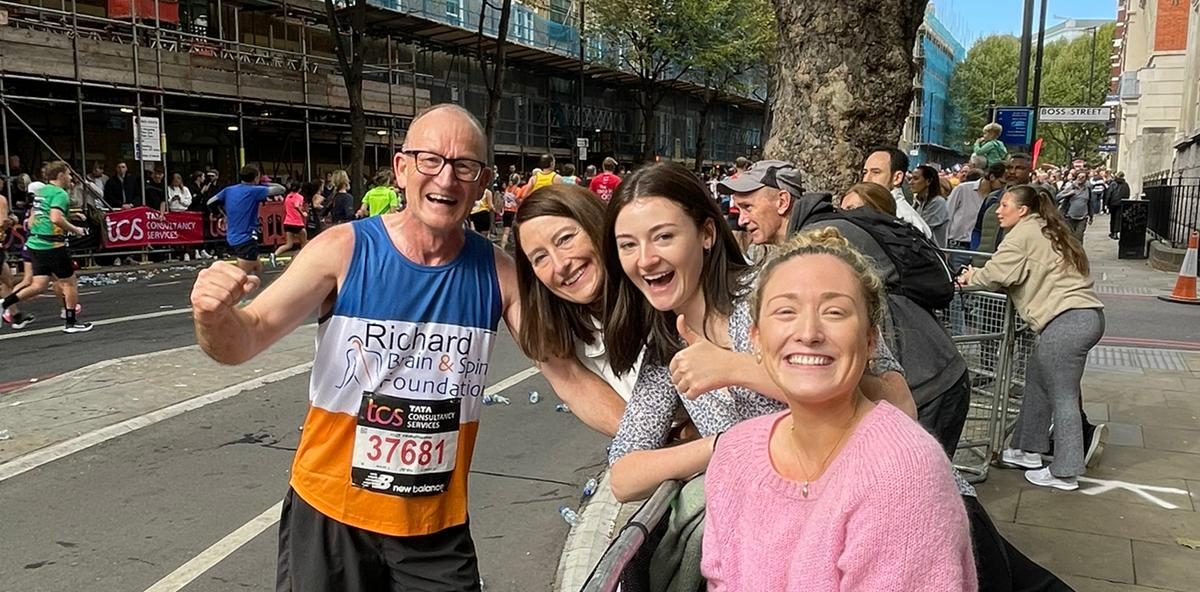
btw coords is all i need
(141, 227)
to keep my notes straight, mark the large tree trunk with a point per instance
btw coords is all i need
(844, 83)
(702, 129)
(495, 79)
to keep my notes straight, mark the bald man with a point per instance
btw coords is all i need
(409, 306)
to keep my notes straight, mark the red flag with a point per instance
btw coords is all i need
(1037, 149)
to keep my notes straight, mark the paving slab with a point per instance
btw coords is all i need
(1122, 434)
(1075, 512)
(1177, 440)
(1082, 584)
(1171, 567)
(1001, 493)
(1107, 558)
(1161, 464)
(1153, 415)
(1182, 400)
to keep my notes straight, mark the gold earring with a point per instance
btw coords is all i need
(758, 357)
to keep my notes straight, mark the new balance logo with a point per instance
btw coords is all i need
(377, 481)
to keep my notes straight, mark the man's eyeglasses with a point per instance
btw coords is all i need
(432, 163)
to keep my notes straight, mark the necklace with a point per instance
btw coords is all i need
(821, 468)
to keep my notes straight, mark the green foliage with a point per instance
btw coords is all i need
(1065, 83)
(740, 36)
(656, 39)
(988, 72)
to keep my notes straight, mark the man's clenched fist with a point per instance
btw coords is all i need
(218, 291)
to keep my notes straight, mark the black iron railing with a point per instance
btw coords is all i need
(1174, 206)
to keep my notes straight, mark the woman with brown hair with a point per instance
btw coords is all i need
(679, 288)
(1046, 273)
(869, 194)
(930, 202)
(558, 232)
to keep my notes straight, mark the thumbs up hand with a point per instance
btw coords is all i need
(700, 367)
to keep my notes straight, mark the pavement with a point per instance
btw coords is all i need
(135, 463)
(1133, 524)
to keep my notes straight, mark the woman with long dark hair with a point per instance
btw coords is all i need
(558, 231)
(677, 279)
(930, 202)
(1045, 271)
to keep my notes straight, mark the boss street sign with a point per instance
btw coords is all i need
(1074, 114)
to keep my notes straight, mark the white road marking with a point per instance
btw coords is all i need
(57, 328)
(161, 284)
(511, 380)
(1137, 488)
(54, 452)
(219, 550)
(227, 546)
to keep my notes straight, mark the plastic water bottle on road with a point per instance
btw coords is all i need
(569, 515)
(562, 408)
(534, 397)
(589, 488)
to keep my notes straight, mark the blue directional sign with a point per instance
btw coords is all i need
(1107, 147)
(1015, 121)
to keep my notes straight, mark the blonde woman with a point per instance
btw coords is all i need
(838, 492)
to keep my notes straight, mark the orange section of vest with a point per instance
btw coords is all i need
(321, 476)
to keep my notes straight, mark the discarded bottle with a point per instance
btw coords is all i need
(534, 397)
(589, 488)
(562, 408)
(569, 515)
(499, 400)
(5, 435)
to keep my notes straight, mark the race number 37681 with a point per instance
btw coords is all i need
(406, 452)
(412, 445)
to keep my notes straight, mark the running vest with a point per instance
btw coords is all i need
(542, 180)
(397, 385)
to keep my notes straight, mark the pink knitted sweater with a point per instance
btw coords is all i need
(885, 515)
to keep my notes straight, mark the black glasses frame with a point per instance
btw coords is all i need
(416, 155)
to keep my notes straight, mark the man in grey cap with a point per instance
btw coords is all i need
(773, 204)
(763, 195)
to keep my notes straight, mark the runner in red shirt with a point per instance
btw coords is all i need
(605, 184)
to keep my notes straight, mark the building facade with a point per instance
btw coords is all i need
(926, 134)
(1156, 74)
(226, 82)
(1068, 29)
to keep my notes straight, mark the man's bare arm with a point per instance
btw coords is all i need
(233, 335)
(590, 398)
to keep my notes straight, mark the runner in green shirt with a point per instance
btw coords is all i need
(49, 228)
(381, 199)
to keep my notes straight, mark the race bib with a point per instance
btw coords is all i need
(405, 447)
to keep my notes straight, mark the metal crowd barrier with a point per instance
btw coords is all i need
(996, 345)
(606, 577)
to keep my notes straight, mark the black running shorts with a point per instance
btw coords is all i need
(247, 251)
(55, 262)
(320, 554)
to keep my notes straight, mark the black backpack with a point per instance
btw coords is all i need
(923, 275)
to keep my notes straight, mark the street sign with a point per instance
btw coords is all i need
(1107, 148)
(581, 142)
(147, 139)
(1074, 114)
(1015, 121)
(583, 155)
